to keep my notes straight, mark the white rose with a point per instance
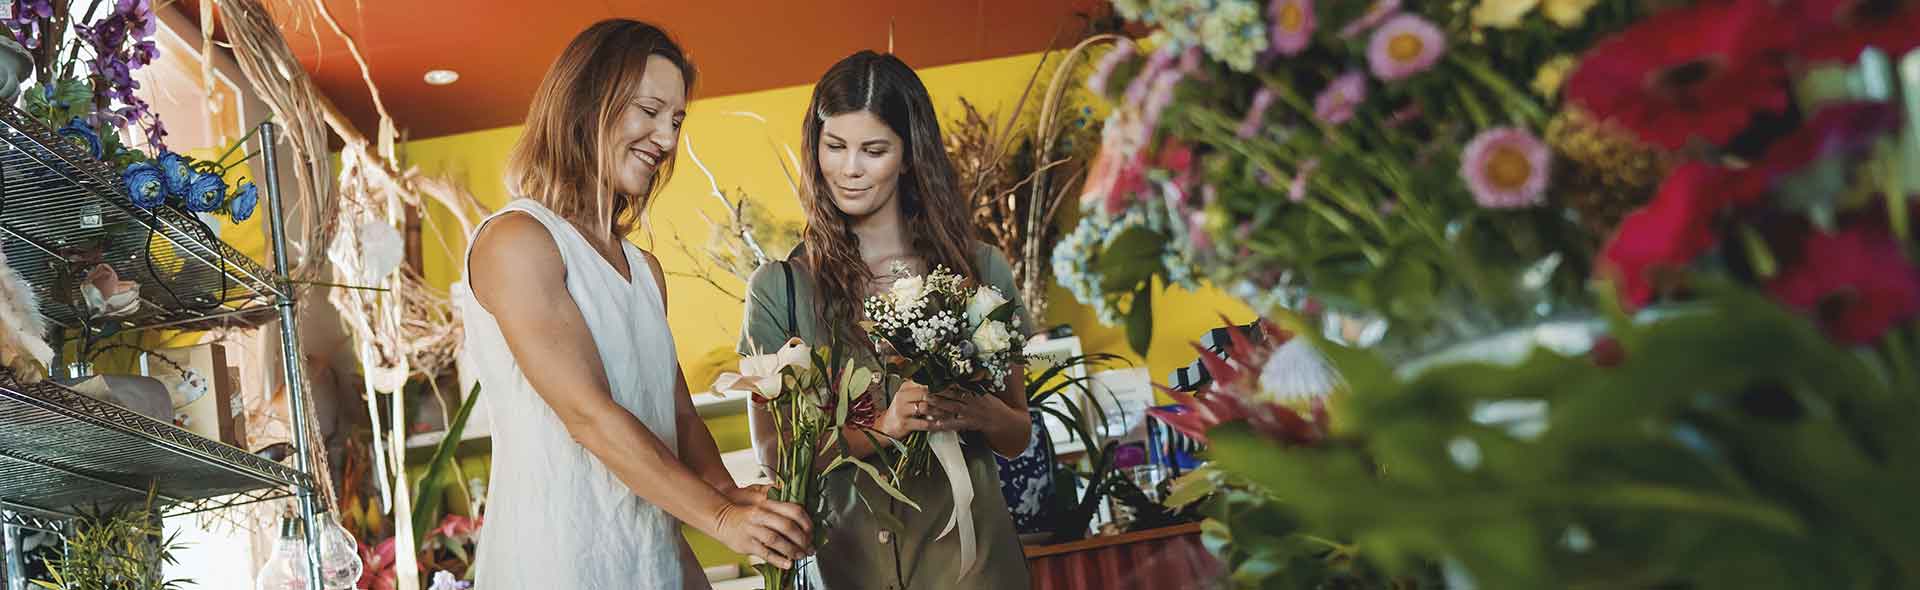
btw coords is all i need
(992, 338)
(985, 300)
(907, 291)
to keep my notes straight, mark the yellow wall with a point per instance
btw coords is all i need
(744, 152)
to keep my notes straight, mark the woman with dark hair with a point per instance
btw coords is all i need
(881, 192)
(598, 454)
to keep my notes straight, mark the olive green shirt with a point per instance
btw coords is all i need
(863, 550)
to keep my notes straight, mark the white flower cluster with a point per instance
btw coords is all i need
(1233, 33)
(939, 317)
(1077, 254)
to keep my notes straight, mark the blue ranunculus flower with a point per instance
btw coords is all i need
(146, 185)
(206, 192)
(78, 129)
(244, 200)
(179, 173)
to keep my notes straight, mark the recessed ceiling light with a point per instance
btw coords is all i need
(442, 77)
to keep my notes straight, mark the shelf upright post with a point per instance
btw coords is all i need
(16, 565)
(290, 351)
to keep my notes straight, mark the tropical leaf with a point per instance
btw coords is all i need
(432, 494)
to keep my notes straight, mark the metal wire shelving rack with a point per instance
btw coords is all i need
(63, 212)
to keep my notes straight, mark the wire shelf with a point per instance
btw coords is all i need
(27, 518)
(61, 451)
(62, 212)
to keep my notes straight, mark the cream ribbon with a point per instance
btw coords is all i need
(945, 445)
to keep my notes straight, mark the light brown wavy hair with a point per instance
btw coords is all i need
(563, 159)
(929, 197)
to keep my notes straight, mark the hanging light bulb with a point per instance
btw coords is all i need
(286, 566)
(340, 565)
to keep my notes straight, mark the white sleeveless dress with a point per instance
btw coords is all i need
(555, 516)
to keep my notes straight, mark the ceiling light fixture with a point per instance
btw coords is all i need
(442, 77)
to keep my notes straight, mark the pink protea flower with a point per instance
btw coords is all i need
(1256, 114)
(1506, 168)
(1236, 394)
(1293, 25)
(1379, 11)
(1336, 104)
(1405, 45)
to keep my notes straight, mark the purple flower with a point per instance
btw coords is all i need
(1379, 11)
(445, 581)
(207, 193)
(1293, 25)
(1336, 104)
(1404, 46)
(1190, 59)
(146, 185)
(1160, 96)
(1506, 168)
(1256, 114)
(1103, 71)
(1137, 90)
(1297, 190)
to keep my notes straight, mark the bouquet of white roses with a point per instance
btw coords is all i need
(942, 331)
(810, 394)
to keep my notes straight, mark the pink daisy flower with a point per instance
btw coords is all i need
(1256, 114)
(1506, 168)
(1336, 104)
(1380, 10)
(1293, 25)
(1405, 45)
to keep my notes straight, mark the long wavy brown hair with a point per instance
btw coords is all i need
(563, 159)
(929, 196)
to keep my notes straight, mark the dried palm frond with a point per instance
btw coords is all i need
(1016, 173)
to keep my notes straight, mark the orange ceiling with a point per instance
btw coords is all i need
(502, 47)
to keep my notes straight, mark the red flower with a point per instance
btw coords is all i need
(1671, 231)
(457, 528)
(378, 562)
(1857, 283)
(1840, 129)
(1699, 71)
(1838, 30)
(862, 413)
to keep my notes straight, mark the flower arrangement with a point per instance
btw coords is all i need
(118, 44)
(1396, 165)
(92, 110)
(811, 395)
(198, 186)
(942, 331)
(1672, 243)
